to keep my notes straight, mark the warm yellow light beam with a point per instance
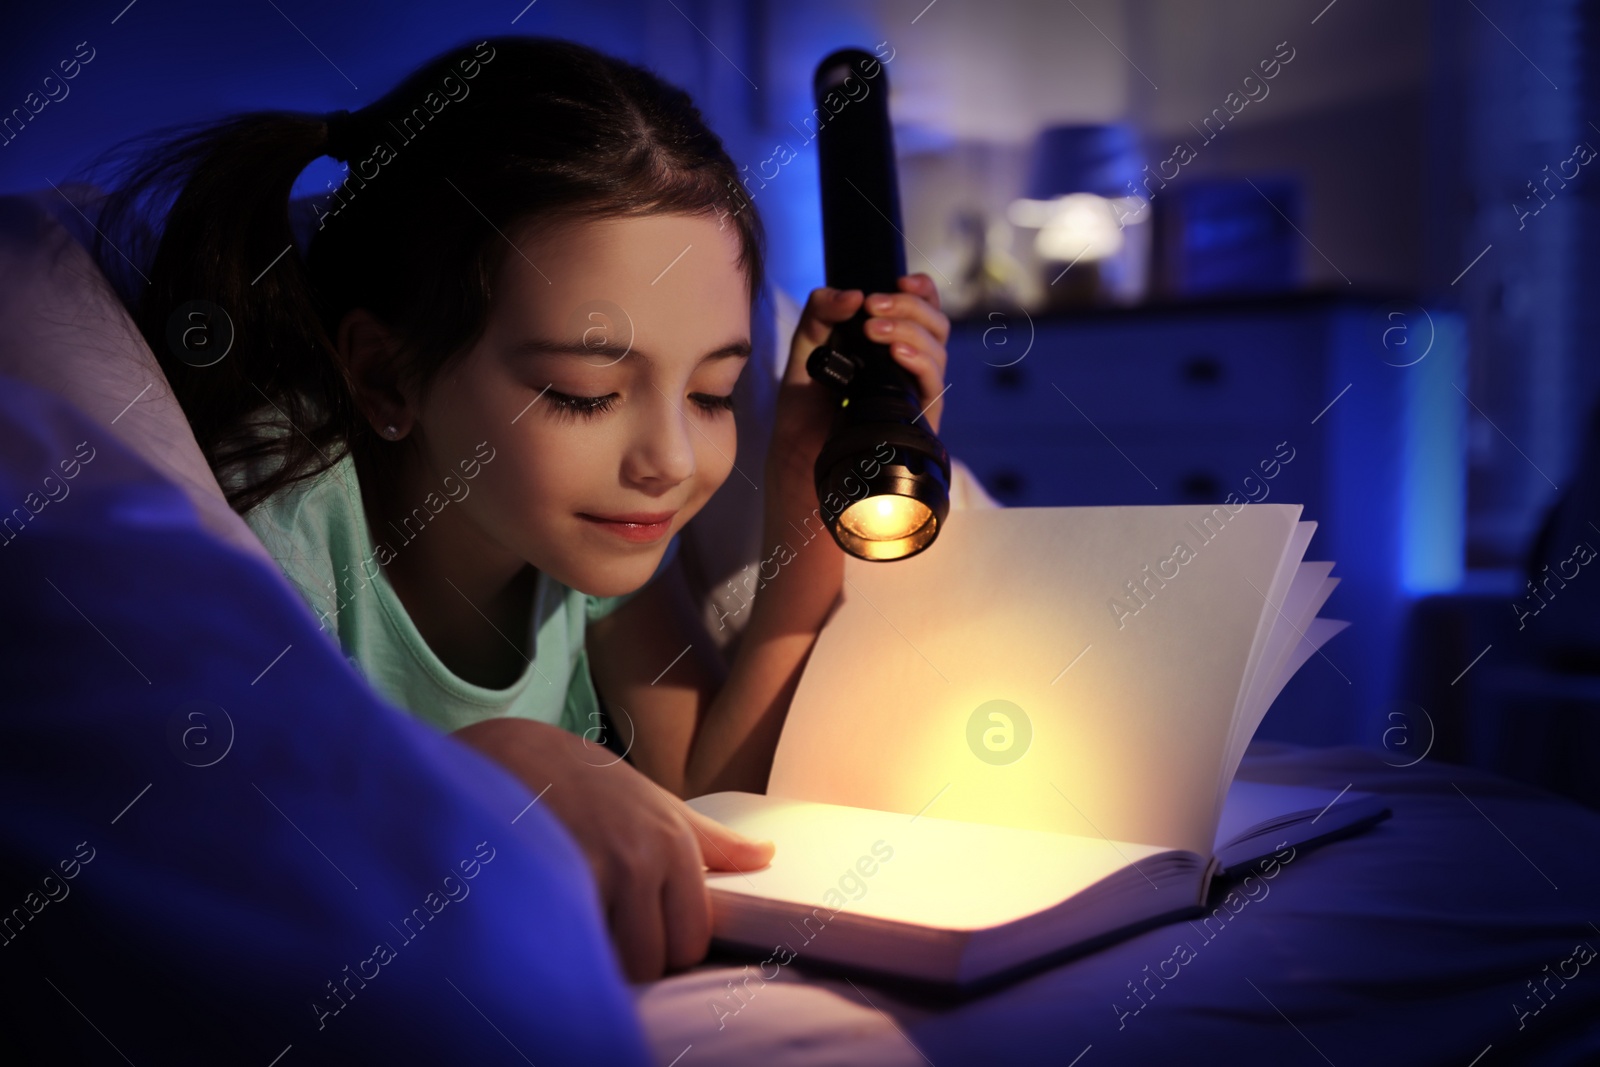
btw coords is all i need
(888, 526)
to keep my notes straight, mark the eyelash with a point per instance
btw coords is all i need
(591, 406)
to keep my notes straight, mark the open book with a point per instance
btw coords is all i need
(1022, 741)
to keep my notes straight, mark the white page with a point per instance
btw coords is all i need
(937, 873)
(1307, 593)
(1311, 589)
(1271, 599)
(1130, 717)
(1317, 633)
(1252, 804)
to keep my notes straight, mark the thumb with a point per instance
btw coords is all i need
(725, 849)
(824, 309)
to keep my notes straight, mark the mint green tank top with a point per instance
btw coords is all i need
(317, 531)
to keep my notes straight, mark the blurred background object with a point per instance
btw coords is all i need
(1081, 199)
(1222, 237)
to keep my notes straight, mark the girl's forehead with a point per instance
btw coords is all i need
(629, 248)
(676, 275)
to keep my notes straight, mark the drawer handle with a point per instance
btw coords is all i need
(1200, 485)
(1008, 379)
(1007, 483)
(1202, 370)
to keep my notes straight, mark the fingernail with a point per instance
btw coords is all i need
(880, 303)
(879, 326)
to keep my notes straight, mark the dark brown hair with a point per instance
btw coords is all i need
(479, 139)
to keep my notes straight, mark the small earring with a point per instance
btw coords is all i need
(391, 431)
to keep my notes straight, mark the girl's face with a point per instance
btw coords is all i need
(646, 322)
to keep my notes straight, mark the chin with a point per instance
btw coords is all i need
(612, 582)
(629, 568)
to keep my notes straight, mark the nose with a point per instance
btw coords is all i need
(661, 453)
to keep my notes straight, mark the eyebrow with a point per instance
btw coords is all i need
(610, 350)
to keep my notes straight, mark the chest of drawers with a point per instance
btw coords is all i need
(1347, 406)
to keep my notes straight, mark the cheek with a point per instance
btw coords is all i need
(716, 453)
(548, 469)
(477, 409)
(525, 498)
(465, 405)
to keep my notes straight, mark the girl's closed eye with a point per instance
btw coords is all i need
(567, 405)
(714, 403)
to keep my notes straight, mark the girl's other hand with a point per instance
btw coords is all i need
(800, 595)
(916, 331)
(646, 848)
(908, 321)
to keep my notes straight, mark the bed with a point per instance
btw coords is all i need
(1460, 931)
(1414, 942)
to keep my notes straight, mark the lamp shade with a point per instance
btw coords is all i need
(1100, 159)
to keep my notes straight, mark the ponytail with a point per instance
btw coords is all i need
(227, 242)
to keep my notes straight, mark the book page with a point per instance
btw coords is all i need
(1253, 805)
(1309, 590)
(1260, 819)
(1317, 633)
(1273, 623)
(937, 873)
(1074, 670)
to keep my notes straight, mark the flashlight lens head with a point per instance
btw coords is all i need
(887, 526)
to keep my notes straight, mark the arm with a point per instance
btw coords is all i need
(654, 693)
(646, 848)
(700, 727)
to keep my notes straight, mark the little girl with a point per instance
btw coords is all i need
(470, 421)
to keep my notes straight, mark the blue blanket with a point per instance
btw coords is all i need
(219, 846)
(1467, 923)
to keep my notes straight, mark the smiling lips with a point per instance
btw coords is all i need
(638, 526)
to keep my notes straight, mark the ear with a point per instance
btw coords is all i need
(369, 351)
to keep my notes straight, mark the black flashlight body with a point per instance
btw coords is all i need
(861, 242)
(879, 422)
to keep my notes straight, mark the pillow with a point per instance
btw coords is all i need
(220, 845)
(62, 328)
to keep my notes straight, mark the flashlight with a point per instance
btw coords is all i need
(882, 477)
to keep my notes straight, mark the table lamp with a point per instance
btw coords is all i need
(1082, 193)
(878, 504)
